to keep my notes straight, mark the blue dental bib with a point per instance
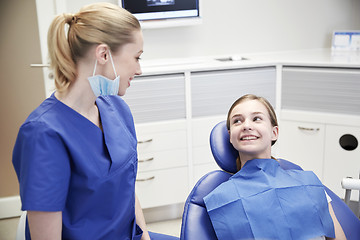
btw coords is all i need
(264, 201)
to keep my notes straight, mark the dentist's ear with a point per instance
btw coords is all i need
(102, 53)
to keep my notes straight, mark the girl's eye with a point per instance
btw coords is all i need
(257, 118)
(138, 58)
(237, 121)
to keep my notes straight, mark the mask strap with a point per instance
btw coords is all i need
(95, 67)
(112, 62)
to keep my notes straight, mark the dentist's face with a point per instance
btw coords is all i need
(126, 61)
(251, 132)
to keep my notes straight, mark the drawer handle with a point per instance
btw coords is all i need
(309, 129)
(145, 179)
(146, 160)
(145, 141)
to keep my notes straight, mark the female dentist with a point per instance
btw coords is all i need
(75, 155)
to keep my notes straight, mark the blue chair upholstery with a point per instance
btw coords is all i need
(196, 224)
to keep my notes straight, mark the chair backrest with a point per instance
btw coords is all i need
(196, 223)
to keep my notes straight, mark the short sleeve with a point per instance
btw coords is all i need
(42, 165)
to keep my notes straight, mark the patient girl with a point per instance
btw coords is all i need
(263, 201)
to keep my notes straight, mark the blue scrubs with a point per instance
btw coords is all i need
(66, 163)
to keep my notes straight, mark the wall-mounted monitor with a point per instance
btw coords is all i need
(164, 13)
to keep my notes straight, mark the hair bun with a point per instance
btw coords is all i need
(70, 18)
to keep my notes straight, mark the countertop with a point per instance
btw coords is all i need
(311, 58)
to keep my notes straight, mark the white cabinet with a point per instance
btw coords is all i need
(162, 163)
(175, 112)
(339, 162)
(325, 104)
(303, 144)
(158, 106)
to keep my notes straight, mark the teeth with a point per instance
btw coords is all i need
(249, 138)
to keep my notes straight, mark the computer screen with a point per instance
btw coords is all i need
(162, 9)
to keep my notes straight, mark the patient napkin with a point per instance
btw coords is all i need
(263, 201)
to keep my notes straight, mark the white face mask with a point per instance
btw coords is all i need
(102, 85)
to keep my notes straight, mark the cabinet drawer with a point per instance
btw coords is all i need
(162, 160)
(157, 98)
(213, 92)
(321, 89)
(161, 141)
(162, 187)
(341, 163)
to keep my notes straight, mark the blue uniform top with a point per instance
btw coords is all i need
(66, 163)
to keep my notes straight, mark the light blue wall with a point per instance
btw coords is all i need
(251, 26)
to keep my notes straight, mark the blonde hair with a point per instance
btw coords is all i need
(270, 109)
(94, 24)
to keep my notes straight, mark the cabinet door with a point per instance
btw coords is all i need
(213, 92)
(201, 129)
(157, 98)
(341, 163)
(303, 144)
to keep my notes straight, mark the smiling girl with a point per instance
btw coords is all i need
(262, 200)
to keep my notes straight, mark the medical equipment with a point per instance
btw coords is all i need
(351, 184)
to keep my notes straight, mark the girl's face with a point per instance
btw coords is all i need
(251, 132)
(127, 63)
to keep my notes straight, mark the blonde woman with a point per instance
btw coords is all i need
(75, 155)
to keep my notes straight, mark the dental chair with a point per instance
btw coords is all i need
(196, 224)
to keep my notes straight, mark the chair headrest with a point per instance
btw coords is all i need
(224, 153)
